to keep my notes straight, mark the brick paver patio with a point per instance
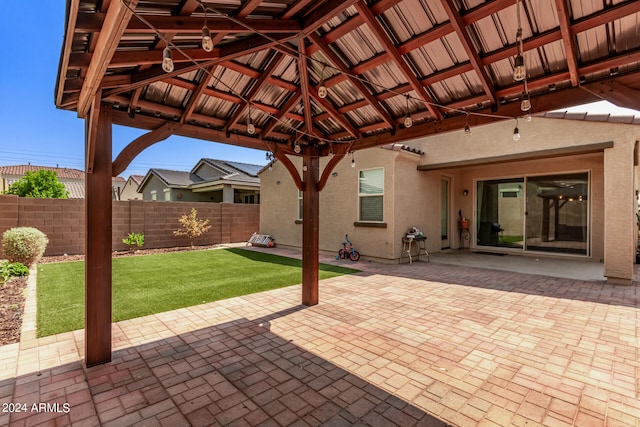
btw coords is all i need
(392, 345)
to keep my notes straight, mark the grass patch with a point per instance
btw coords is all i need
(150, 284)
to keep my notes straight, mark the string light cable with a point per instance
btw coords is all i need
(295, 53)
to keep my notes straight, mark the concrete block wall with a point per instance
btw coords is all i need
(63, 221)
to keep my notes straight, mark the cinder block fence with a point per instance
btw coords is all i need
(62, 220)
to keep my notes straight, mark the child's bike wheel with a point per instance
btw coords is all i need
(354, 255)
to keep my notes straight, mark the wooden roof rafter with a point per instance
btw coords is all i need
(398, 60)
(474, 57)
(336, 62)
(357, 108)
(257, 86)
(568, 41)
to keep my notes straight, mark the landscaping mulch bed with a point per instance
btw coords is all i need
(119, 254)
(11, 309)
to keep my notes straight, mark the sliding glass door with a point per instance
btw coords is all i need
(500, 213)
(538, 213)
(557, 213)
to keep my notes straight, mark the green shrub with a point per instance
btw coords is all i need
(134, 239)
(24, 244)
(12, 269)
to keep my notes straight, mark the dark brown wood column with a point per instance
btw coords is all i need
(310, 227)
(98, 236)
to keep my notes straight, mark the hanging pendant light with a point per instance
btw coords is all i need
(167, 60)
(251, 128)
(519, 69)
(525, 105)
(322, 89)
(207, 42)
(516, 132)
(408, 121)
(467, 128)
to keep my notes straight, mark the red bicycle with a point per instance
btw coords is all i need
(348, 251)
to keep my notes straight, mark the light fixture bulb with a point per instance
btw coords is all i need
(270, 167)
(353, 162)
(408, 121)
(467, 130)
(167, 60)
(251, 129)
(519, 70)
(516, 134)
(322, 91)
(525, 105)
(527, 117)
(207, 43)
(331, 153)
(297, 148)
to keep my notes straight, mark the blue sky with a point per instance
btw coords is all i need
(34, 131)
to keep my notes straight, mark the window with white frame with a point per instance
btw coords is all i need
(371, 195)
(154, 195)
(299, 205)
(167, 194)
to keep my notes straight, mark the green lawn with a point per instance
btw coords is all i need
(150, 284)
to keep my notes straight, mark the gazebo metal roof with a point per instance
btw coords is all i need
(436, 60)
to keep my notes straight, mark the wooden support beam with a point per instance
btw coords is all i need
(293, 100)
(92, 22)
(387, 44)
(114, 26)
(467, 44)
(139, 144)
(616, 93)
(339, 64)
(288, 164)
(334, 114)
(326, 11)
(310, 227)
(339, 151)
(257, 86)
(568, 40)
(98, 244)
(195, 95)
(295, 7)
(91, 133)
(303, 71)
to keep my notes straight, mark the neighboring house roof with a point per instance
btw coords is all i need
(136, 179)
(170, 178)
(230, 172)
(73, 179)
(235, 171)
(63, 173)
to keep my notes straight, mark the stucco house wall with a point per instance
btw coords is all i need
(338, 206)
(412, 196)
(613, 223)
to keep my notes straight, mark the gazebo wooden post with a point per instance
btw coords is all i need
(310, 228)
(98, 236)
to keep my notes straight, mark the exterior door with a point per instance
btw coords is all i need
(500, 213)
(445, 224)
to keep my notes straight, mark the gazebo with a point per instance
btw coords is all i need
(320, 79)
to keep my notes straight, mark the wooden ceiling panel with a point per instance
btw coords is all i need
(116, 52)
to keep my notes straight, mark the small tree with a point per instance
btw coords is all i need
(42, 183)
(192, 227)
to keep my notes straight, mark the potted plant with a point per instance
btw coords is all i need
(463, 223)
